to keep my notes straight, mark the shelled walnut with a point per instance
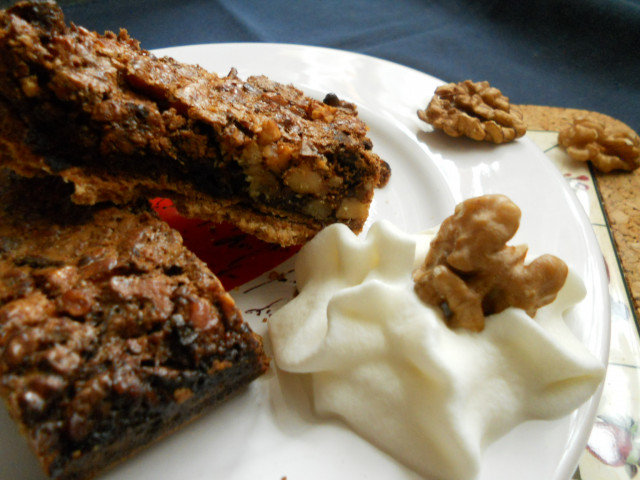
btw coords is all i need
(470, 272)
(607, 148)
(475, 110)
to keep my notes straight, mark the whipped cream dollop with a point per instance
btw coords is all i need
(387, 364)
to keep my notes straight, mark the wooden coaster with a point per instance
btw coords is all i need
(619, 192)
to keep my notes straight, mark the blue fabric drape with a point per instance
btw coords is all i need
(569, 53)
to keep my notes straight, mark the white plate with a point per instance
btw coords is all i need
(268, 430)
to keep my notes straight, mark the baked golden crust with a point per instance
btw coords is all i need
(101, 104)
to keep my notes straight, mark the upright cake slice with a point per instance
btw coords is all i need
(120, 123)
(111, 332)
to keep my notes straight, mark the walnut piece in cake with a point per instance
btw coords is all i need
(470, 272)
(475, 110)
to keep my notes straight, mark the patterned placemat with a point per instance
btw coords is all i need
(610, 200)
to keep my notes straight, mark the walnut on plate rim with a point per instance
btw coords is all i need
(476, 110)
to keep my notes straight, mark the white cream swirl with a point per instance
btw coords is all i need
(387, 364)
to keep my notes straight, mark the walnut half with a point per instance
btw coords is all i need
(475, 110)
(470, 272)
(608, 148)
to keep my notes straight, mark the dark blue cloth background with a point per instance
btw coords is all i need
(572, 53)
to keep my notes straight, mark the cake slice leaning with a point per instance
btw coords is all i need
(112, 333)
(120, 123)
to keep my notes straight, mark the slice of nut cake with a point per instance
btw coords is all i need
(120, 123)
(111, 332)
